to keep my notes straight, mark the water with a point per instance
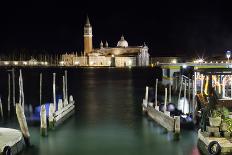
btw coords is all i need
(108, 118)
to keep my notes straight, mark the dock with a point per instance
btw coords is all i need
(62, 114)
(172, 124)
(11, 141)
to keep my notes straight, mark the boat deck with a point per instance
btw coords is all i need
(12, 138)
(225, 143)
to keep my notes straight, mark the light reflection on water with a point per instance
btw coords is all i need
(108, 118)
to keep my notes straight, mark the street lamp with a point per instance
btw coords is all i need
(228, 54)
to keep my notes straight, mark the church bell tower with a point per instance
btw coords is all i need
(88, 44)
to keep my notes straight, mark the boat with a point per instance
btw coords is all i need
(11, 142)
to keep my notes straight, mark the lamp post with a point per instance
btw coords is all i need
(228, 54)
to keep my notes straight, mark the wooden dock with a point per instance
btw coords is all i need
(62, 114)
(11, 140)
(204, 142)
(172, 124)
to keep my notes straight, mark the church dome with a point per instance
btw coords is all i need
(122, 43)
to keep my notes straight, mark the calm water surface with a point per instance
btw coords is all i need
(108, 118)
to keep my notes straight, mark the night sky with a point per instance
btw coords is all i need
(167, 27)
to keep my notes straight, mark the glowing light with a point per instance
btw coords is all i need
(91, 62)
(6, 63)
(228, 54)
(16, 62)
(199, 61)
(184, 66)
(129, 62)
(112, 56)
(174, 61)
(61, 62)
(45, 63)
(24, 62)
(76, 63)
(206, 85)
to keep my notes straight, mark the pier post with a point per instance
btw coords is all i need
(51, 116)
(176, 127)
(170, 92)
(64, 96)
(165, 103)
(13, 85)
(66, 85)
(40, 88)
(43, 121)
(189, 95)
(185, 83)
(156, 92)
(8, 99)
(146, 93)
(54, 91)
(1, 110)
(23, 123)
(181, 83)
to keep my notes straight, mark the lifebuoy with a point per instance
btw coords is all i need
(7, 150)
(214, 148)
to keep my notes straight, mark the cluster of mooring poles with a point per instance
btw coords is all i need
(60, 111)
(160, 116)
(187, 103)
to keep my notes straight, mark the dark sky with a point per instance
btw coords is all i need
(167, 27)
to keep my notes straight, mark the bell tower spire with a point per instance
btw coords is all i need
(88, 44)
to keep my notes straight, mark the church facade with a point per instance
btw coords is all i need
(122, 55)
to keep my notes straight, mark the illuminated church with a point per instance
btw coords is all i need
(121, 55)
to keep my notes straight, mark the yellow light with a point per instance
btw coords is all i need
(16, 62)
(206, 85)
(24, 62)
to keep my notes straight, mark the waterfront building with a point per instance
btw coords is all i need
(121, 55)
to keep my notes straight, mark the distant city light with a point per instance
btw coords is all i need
(91, 62)
(76, 62)
(6, 63)
(112, 56)
(130, 62)
(199, 61)
(46, 63)
(24, 62)
(16, 62)
(174, 61)
(61, 62)
(184, 66)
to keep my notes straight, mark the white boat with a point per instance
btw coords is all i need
(11, 141)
